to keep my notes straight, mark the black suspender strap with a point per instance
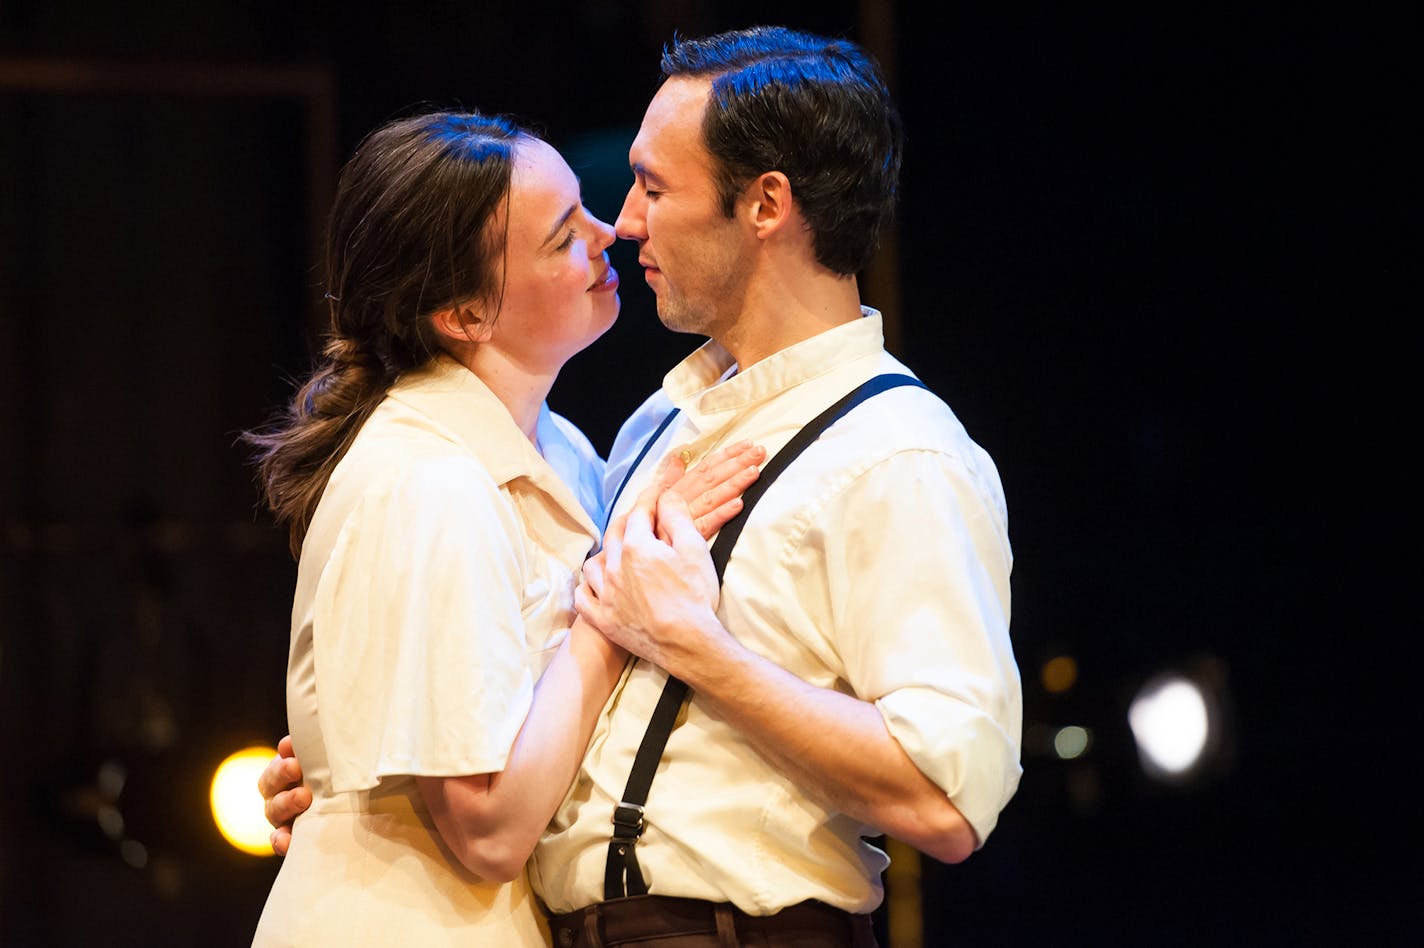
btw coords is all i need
(628, 817)
(622, 875)
(628, 475)
(771, 470)
(622, 861)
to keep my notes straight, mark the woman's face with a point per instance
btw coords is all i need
(560, 294)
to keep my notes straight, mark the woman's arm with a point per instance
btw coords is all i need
(492, 821)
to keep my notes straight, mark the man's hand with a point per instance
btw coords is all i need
(658, 600)
(283, 794)
(654, 598)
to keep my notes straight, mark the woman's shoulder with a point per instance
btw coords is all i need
(395, 471)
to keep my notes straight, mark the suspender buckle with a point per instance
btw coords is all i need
(627, 821)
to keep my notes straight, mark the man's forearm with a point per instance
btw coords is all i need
(834, 746)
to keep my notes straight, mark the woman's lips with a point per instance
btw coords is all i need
(608, 284)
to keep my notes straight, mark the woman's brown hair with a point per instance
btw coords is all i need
(410, 234)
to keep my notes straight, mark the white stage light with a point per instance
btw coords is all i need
(1174, 721)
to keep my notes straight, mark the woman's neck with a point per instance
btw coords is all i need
(521, 388)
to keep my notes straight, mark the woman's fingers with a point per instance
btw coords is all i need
(716, 480)
(709, 523)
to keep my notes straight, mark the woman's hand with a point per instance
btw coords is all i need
(711, 489)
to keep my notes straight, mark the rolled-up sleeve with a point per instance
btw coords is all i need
(917, 571)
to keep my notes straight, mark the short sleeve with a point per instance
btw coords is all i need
(917, 566)
(421, 661)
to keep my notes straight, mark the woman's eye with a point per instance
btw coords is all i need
(568, 240)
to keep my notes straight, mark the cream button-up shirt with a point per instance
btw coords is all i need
(878, 565)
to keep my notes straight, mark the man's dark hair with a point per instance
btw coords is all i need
(813, 108)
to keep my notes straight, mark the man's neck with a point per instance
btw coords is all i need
(788, 312)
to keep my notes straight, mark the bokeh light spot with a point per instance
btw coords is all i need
(1070, 742)
(1171, 723)
(1059, 674)
(236, 803)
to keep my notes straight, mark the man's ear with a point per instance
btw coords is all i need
(462, 323)
(769, 202)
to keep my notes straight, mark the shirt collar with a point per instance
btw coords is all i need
(706, 384)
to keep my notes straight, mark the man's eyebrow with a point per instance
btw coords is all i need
(640, 170)
(559, 224)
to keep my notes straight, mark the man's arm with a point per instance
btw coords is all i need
(833, 745)
(284, 796)
(657, 601)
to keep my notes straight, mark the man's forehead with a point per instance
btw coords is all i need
(686, 95)
(674, 116)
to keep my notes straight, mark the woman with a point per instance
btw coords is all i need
(438, 698)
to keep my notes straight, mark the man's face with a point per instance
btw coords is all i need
(693, 256)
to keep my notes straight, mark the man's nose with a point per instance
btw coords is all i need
(630, 224)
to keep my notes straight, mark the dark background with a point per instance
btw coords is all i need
(1153, 256)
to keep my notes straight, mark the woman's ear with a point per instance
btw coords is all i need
(462, 323)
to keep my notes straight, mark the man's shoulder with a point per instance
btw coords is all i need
(910, 432)
(908, 417)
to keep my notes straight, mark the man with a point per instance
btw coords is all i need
(856, 675)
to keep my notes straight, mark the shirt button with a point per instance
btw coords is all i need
(567, 937)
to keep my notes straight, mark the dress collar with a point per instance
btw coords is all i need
(458, 401)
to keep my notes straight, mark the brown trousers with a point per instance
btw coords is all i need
(654, 921)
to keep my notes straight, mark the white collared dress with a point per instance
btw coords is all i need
(434, 585)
